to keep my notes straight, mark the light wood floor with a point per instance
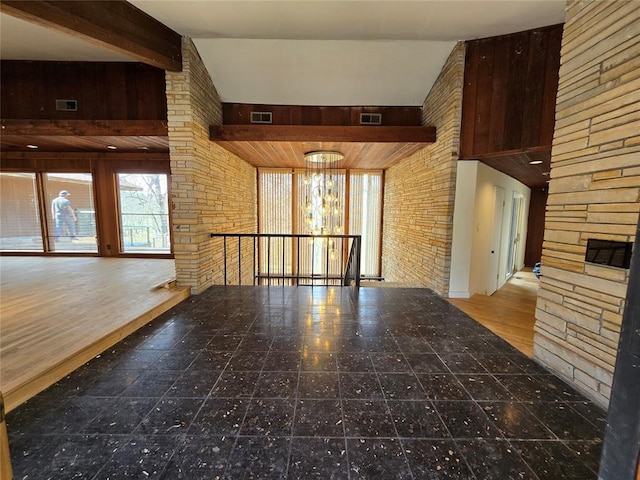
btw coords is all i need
(58, 313)
(509, 312)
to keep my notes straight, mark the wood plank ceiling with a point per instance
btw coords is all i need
(364, 147)
(261, 154)
(84, 136)
(369, 156)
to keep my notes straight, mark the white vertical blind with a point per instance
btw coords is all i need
(365, 192)
(274, 216)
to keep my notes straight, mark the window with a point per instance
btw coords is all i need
(71, 217)
(275, 217)
(279, 189)
(20, 227)
(365, 216)
(144, 213)
(59, 210)
(318, 216)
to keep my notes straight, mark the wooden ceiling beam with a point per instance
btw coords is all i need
(113, 128)
(321, 133)
(115, 25)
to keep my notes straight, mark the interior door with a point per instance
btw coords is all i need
(514, 234)
(493, 267)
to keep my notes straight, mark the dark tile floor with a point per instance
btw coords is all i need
(301, 383)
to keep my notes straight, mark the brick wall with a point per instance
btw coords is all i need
(593, 192)
(212, 190)
(419, 191)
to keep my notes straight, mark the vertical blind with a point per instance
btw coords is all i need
(365, 215)
(274, 216)
(19, 217)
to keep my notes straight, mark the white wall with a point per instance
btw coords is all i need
(473, 224)
(323, 72)
(463, 226)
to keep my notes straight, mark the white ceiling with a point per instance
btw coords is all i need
(311, 52)
(20, 40)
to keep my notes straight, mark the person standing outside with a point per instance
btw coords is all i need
(63, 214)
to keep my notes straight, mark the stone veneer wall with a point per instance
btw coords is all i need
(419, 191)
(212, 190)
(593, 193)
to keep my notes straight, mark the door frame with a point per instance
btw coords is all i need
(495, 247)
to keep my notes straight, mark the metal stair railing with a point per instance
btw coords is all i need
(287, 259)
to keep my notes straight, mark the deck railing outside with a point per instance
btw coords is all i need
(289, 259)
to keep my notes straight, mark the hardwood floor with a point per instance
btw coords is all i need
(509, 312)
(57, 313)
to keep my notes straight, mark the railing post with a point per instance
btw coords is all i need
(239, 260)
(268, 261)
(224, 250)
(313, 256)
(298, 262)
(253, 270)
(358, 254)
(342, 265)
(326, 266)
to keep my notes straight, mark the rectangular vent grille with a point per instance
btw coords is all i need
(67, 105)
(370, 119)
(261, 117)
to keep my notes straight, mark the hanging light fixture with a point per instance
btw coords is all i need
(321, 206)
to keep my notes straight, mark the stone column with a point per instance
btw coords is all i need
(212, 190)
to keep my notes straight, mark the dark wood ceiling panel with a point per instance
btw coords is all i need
(510, 85)
(517, 164)
(84, 135)
(240, 114)
(105, 91)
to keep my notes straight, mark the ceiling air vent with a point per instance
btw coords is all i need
(261, 117)
(67, 105)
(370, 119)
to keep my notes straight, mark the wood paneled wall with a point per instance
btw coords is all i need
(510, 91)
(535, 226)
(104, 90)
(240, 114)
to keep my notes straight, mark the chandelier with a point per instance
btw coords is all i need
(321, 207)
